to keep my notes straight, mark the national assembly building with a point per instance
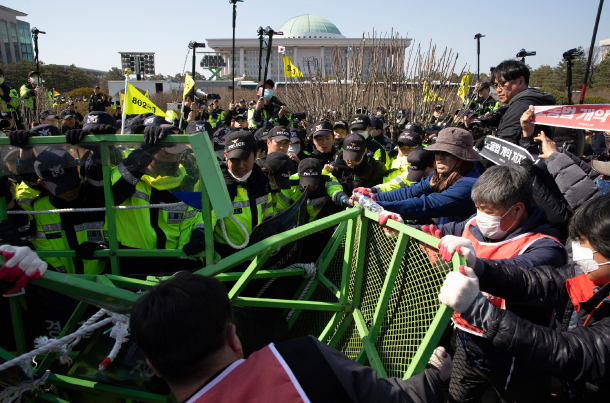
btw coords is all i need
(307, 39)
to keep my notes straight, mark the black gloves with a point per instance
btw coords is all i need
(8, 231)
(139, 159)
(75, 136)
(480, 144)
(154, 134)
(194, 247)
(102, 129)
(85, 250)
(19, 138)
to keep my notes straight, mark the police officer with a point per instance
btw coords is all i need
(83, 232)
(28, 94)
(407, 142)
(355, 168)
(420, 163)
(249, 190)
(77, 116)
(9, 100)
(279, 169)
(98, 102)
(323, 186)
(296, 150)
(68, 121)
(269, 111)
(379, 134)
(485, 103)
(362, 125)
(322, 139)
(241, 107)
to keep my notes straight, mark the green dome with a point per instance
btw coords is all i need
(311, 25)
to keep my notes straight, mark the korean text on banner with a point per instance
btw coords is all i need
(136, 103)
(502, 152)
(290, 70)
(189, 83)
(590, 117)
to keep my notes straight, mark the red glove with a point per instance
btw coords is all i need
(432, 230)
(384, 215)
(365, 192)
(21, 265)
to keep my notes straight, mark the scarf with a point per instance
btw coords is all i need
(439, 183)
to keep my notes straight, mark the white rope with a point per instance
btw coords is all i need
(44, 344)
(13, 393)
(310, 271)
(224, 233)
(88, 210)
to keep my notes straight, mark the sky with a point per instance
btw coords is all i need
(91, 33)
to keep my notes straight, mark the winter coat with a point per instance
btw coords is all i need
(578, 351)
(366, 174)
(574, 177)
(419, 201)
(510, 129)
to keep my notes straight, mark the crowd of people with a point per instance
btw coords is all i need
(531, 303)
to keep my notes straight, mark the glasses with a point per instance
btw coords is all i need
(502, 84)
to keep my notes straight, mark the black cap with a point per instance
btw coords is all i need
(438, 106)
(154, 120)
(94, 118)
(434, 129)
(469, 113)
(45, 130)
(340, 123)
(97, 86)
(322, 128)
(409, 138)
(240, 145)
(354, 147)
(200, 126)
(240, 116)
(360, 122)
(443, 116)
(310, 172)
(71, 103)
(261, 134)
(484, 85)
(241, 100)
(58, 169)
(377, 123)
(414, 127)
(279, 133)
(280, 166)
(135, 125)
(66, 113)
(419, 159)
(31, 73)
(297, 135)
(47, 115)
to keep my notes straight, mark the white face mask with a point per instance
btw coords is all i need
(243, 178)
(34, 80)
(489, 225)
(364, 133)
(268, 94)
(1, 80)
(294, 148)
(583, 257)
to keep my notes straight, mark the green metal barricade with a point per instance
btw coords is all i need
(373, 297)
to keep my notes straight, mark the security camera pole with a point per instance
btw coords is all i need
(270, 32)
(35, 31)
(234, 2)
(194, 45)
(584, 85)
(523, 53)
(478, 38)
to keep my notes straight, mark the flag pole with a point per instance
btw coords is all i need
(181, 112)
(123, 106)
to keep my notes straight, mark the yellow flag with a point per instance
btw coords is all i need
(146, 95)
(290, 70)
(189, 83)
(55, 93)
(429, 95)
(464, 85)
(135, 103)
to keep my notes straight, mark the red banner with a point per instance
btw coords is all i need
(589, 117)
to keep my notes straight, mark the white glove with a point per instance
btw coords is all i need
(441, 360)
(450, 243)
(21, 265)
(460, 289)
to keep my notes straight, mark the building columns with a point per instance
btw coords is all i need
(242, 71)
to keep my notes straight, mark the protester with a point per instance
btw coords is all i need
(444, 194)
(577, 350)
(98, 102)
(205, 359)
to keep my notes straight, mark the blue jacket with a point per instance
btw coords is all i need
(543, 252)
(419, 201)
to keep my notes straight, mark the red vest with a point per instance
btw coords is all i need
(264, 377)
(494, 250)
